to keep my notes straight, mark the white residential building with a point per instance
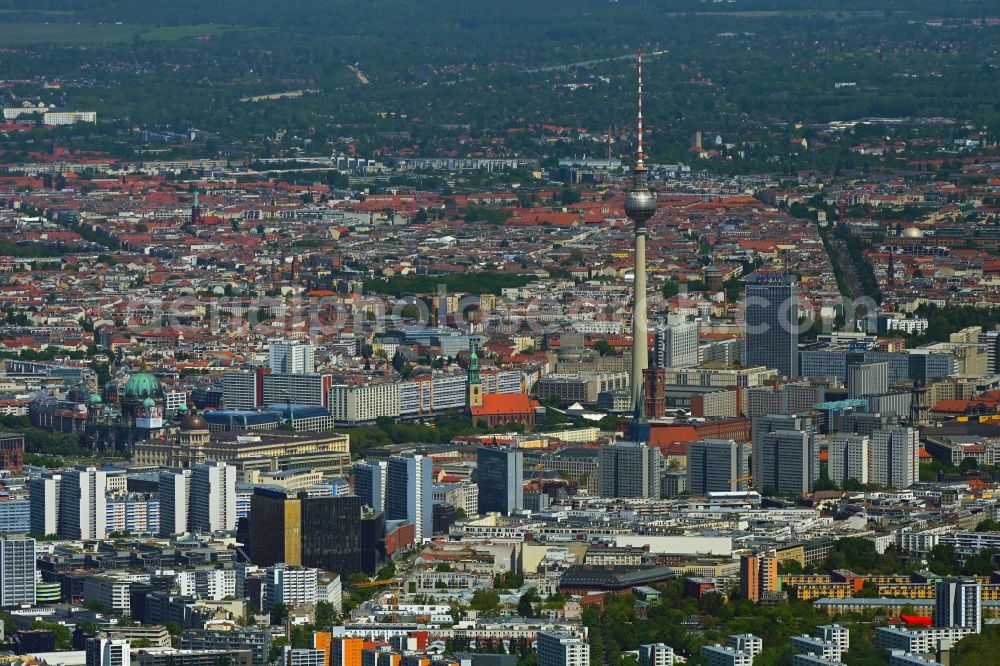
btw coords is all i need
(656, 654)
(959, 603)
(835, 633)
(83, 503)
(213, 497)
(44, 498)
(111, 592)
(69, 117)
(895, 458)
(555, 649)
(209, 584)
(813, 660)
(850, 458)
(17, 570)
(302, 656)
(175, 494)
(716, 655)
(108, 652)
(364, 403)
(752, 645)
(290, 585)
(811, 645)
(242, 389)
(290, 357)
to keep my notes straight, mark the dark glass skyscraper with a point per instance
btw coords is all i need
(331, 533)
(500, 477)
(409, 482)
(324, 532)
(772, 320)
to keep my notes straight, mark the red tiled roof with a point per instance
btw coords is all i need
(956, 406)
(505, 403)
(660, 435)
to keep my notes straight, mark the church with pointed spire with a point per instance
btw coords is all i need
(196, 210)
(494, 410)
(475, 381)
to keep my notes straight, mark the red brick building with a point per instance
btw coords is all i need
(12, 452)
(500, 408)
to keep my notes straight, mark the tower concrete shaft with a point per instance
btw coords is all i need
(640, 206)
(640, 335)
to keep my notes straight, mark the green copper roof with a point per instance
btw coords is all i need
(142, 385)
(149, 402)
(474, 366)
(94, 399)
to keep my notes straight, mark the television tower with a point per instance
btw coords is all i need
(640, 205)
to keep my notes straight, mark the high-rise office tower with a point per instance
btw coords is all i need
(640, 206)
(83, 501)
(175, 496)
(369, 483)
(717, 465)
(895, 457)
(108, 652)
(788, 462)
(327, 533)
(850, 458)
(500, 477)
(213, 497)
(628, 469)
(958, 602)
(865, 379)
(408, 495)
(275, 528)
(290, 357)
(335, 536)
(555, 649)
(772, 333)
(43, 493)
(17, 570)
(768, 423)
(676, 343)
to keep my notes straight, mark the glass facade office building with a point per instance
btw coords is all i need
(771, 312)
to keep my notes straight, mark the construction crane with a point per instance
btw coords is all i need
(375, 583)
(742, 479)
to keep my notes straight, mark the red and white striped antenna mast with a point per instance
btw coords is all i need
(640, 157)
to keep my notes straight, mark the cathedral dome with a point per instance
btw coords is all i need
(194, 422)
(142, 385)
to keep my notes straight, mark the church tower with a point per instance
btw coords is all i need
(475, 382)
(196, 210)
